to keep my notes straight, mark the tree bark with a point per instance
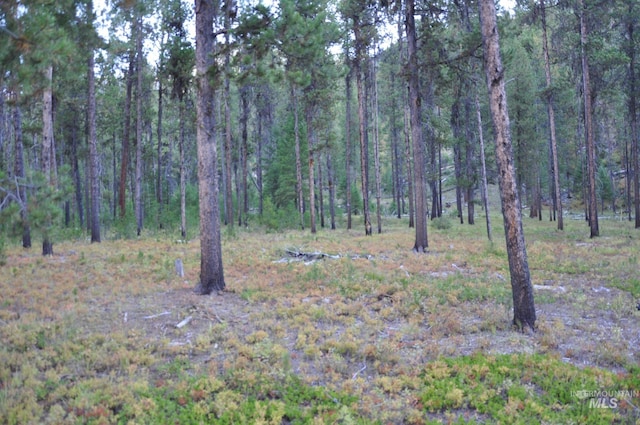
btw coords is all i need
(94, 181)
(376, 146)
(19, 173)
(48, 153)
(296, 131)
(588, 125)
(633, 117)
(124, 164)
(523, 303)
(211, 270)
(348, 78)
(421, 243)
(183, 175)
(309, 113)
(244, 153)
(332, 191)
(485, 191)
(138, 179)
(555, 171)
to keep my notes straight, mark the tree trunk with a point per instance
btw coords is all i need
(588, 125)
(310, 148)
(421, 243)
(244, 153)
(48, 153)
(228, 192)
(348, 145)
(94, 181)
(485, 191)
(470, 154)
(124, 164)
(183, 175)
(523, 303)
(19, 174)
(211, 271)
(633, 117)
(332, 191)
(321, 190)
(138, 180)
(407, 132)
(159, 148)
(362, 129)
(555, 171)
(296, 131)
(376, 147)
(75, 169)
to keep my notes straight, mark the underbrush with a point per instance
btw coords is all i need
(370, 333)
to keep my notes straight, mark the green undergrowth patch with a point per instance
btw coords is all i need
(522, 389)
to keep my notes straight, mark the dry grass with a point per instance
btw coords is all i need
(89, 334)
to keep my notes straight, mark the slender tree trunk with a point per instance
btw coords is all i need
(421, 243)
(469, 158)
(588, 125)
(138, 179)
(320, 190)
(228, 192)
(555, 171)
(75, 169)
(94, 181)
(159, 149)
(362, 121)
(633, 117)
(407, 131)
(19, 173)
(48, 155)
(124, 164)
(183, 175)
(376, 147)
(244, 100)
(211, 271)
(523, 303)
(485, 191)
(332, 191)
(296, 131)
(310, 147)
(348, 145)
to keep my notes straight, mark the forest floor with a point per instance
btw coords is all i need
(369, 332)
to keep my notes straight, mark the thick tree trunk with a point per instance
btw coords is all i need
(555, 171)
(588, 126)
(211, 271)
(421, 243)
(94, 181)
(523, 303)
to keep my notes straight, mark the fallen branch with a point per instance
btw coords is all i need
(185, 322)
(164, 313)
(361, 370)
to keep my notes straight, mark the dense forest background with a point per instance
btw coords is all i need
(313, 119)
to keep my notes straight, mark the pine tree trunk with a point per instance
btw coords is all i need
(183, 175)
(310, 150)
(138, 179)
(18, 169)
(633, 118)
(332, 191)
(159, 151)
(485, 191)
(228, 192)
(421, 242)
(296, 131)
(211, 271)
(124, 164)
(348, 146)
(376, 148)
(244, 152)
(588, 124)
(48, 153)
(94, 181)
(555, 171)
(523, 303)
(407, 132)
